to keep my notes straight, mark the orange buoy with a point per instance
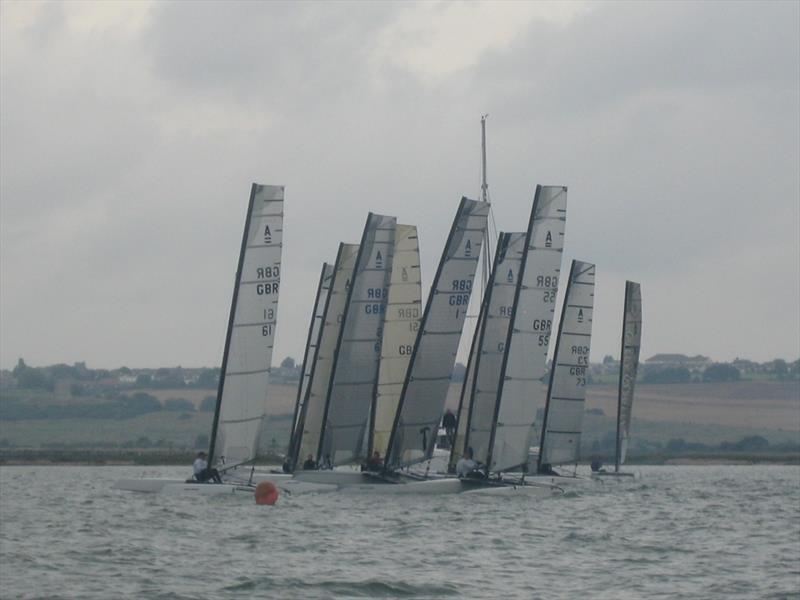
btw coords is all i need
(266, 493)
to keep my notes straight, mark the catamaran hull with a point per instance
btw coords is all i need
(177, 486)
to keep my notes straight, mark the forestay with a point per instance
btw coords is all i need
(563, 415)
(521, 392)
(242, 404)
(629, 364)
(355, 368)
(425, 388)
(314, 407)
(400, 326)
(492, 336)
(310, 357)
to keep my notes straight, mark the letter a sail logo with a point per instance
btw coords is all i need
(468, 249)
(548, 240)
(267, 234)
(379, 260)
(580, 315)
(510, 276)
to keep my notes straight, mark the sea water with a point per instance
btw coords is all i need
(674, 532)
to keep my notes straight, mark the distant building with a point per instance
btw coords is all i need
(695, 364)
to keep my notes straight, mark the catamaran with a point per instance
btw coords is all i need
(566, 395)
(628, 366)
(243, 407)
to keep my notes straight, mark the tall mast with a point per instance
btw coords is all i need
(485, 198)
(484, 185)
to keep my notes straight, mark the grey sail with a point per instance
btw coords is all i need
(521, 392)
(310, 433)
(400, 327)
(425, 389)
(242, 403)
(629, 364)
(310, 358)
(492, 336)
(357, 355)
(563, 416)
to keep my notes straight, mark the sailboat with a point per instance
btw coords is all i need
(566, 396)
(309, 362)
(308, 432)
(243, 406)
(628, 366)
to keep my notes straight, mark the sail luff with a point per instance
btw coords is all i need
(232, 314)
(310, 358)
(563, 418)
(356, 360)
(435, 347)
(629, 363)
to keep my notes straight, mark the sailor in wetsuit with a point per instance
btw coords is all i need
(466, 464)
(375, 463)
(309, 465)
(201, 471)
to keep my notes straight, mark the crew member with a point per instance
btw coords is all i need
(201, 471)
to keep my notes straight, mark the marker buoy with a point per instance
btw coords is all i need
(266, 493)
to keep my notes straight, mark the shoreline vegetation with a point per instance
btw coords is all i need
(741, 413)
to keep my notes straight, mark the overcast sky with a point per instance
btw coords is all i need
(130, 135)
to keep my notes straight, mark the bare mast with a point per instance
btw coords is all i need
(484, 198)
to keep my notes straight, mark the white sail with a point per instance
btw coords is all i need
(425, 389)
(629, 364)
(492, 336)
(357, 356)
(310, 356)
(311, 430)
(465, 398)
(566, 396)
(521, 392)
(400, 326)
(242, 404)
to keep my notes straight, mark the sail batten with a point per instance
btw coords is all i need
(424, 391)
(243, 406)
(629, 363)
(563, 417)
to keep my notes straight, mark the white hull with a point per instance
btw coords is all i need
(343, 477)
(152, 485)
(178, 486)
